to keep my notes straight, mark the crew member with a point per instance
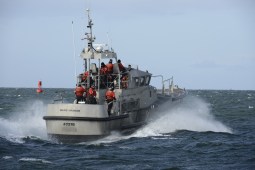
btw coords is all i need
(121, 67)
(110, 97)
(110, 76)
(124, 80)
(85, 76)
(110, 67)
(80, 93)
(103, 69)
(129, 67)
(92, 95)
(103, 73)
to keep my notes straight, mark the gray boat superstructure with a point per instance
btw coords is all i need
(135, 99)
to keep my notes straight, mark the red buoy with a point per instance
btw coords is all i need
(39, 89)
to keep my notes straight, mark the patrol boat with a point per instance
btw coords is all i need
(135, 101)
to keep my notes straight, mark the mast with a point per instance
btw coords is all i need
(90, 39)
(90, 48)
(90, 52)
(89, 35)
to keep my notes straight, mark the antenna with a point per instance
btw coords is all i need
(89, 35)
(74, 54)
(108, 39)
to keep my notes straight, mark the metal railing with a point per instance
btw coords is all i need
(170, 84)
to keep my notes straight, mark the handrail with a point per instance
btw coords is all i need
(169, 86)
(109, 83)
(161, 82)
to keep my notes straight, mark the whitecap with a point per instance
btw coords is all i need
(157, 138)
(126, 148)
(34, 160)
(250, 107)
(7, 157)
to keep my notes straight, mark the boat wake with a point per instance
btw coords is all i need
(193, 114)
(25, 122)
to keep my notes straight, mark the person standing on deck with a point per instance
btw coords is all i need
(121, 67)
(110, 67)
(110, 97)
(110, 75)
(103, 73)
(85, 76)
(124, 81)
(92, 95)
(79, 92)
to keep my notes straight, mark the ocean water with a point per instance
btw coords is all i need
(210, 129)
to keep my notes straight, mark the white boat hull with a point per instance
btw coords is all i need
(74, 123)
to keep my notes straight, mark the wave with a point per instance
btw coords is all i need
(35, 160)
(25, 121)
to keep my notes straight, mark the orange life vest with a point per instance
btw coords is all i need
(124, 81)
(121, 67)
(92, 92)
(109, 67)
(85, 75)
(79, 91)
(103, 70)
(110, 95)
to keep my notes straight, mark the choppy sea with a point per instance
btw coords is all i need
(210, 129)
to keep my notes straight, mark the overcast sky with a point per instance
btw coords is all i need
(204, 44)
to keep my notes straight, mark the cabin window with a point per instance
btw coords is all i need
(142, 81)
(136, 81)
(148, 80)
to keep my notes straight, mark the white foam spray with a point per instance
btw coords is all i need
(25, 121)
(193, 114)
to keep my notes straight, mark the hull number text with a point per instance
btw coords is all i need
(68, 124)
